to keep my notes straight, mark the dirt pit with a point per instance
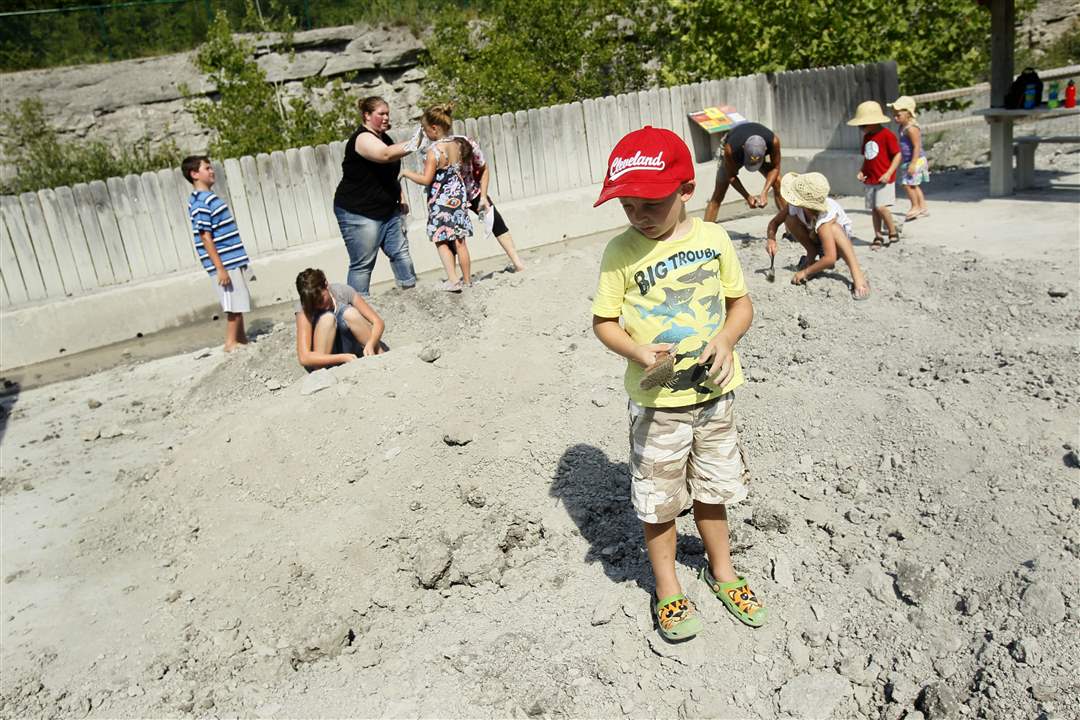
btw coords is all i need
(195, 536)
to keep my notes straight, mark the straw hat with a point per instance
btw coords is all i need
(868, 113)
(904, 102)
(808, 190)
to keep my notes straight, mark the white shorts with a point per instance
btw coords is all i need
(880, 195)
(234, 297)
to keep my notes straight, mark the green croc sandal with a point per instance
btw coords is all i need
(676, 617)
(738, 598)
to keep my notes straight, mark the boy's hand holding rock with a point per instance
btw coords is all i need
(646, 354)
(723, 365)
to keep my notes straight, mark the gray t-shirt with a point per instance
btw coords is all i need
(343, 295)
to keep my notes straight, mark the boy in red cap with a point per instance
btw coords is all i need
(677, 286)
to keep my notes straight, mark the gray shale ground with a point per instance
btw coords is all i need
(445, 530)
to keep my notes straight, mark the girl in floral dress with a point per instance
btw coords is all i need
(445, 166)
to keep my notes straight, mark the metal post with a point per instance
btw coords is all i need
(1002, 31)
(1001, 171)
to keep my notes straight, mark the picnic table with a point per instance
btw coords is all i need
(1002, 180)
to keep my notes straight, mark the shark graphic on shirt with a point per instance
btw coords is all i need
(699, 275)
(658, 310)
(677, 301)
(713, 305)
(674, 334)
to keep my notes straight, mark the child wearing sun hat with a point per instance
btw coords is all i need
(881, 157)
(821, 226)
(914, 169)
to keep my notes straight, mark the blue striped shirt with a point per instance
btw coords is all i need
(211, 214)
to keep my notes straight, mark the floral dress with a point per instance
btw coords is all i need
(448, 203)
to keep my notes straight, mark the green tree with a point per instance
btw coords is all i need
(42, 160)
(937, 44)
(531, 53)
(251, 114)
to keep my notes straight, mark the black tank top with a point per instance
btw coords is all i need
(368, 188)
(741, 133)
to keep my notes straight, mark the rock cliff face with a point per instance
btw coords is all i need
(126, 101)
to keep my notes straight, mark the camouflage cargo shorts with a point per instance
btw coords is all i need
(678, 455)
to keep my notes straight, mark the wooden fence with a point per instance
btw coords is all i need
(66, 241)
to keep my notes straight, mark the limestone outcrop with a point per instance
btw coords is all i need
(129, 100)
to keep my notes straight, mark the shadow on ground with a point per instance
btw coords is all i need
(596, 495)
(973, 185)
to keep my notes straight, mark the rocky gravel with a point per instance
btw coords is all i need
(445, 530)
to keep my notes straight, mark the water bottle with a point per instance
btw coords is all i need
(1052, 96)
(1030, 100)
(1070, 95)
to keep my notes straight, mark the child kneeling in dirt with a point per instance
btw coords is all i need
(334, 324)
(678, 287)
(821, 226)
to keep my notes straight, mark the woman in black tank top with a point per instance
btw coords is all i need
(368, 202)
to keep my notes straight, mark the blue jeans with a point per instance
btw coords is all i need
(363, 237)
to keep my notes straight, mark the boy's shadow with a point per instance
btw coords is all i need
(596, 495)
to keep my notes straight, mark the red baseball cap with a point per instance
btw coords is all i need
(647, 163)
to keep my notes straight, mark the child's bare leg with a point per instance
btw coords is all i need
(875, 216)
(234, 331)
(446, 255)
(844, 248)
(920, 198)
(358, 325)
(507, 244)
(712, 525)
(886, 215)
(801, 233)
(660, 543)
(464, 260)
(323, 334)
(913, 198)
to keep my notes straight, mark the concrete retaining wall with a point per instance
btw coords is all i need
(68, 255)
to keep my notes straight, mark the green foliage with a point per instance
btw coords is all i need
(252, 115)
(530, 53)
(937, 44)
(42, 160)
(90, 36)
(81, 34)
(1063, 51)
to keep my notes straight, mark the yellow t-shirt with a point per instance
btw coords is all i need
(672, 291)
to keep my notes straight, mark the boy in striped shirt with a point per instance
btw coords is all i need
(218, 245)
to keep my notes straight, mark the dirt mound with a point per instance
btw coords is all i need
(268, 364)
(451, 536)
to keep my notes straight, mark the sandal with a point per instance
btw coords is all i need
(676, 617)
(878, 243)
(738, 598)
(448, 286)
(893, 239)
(855, 290)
